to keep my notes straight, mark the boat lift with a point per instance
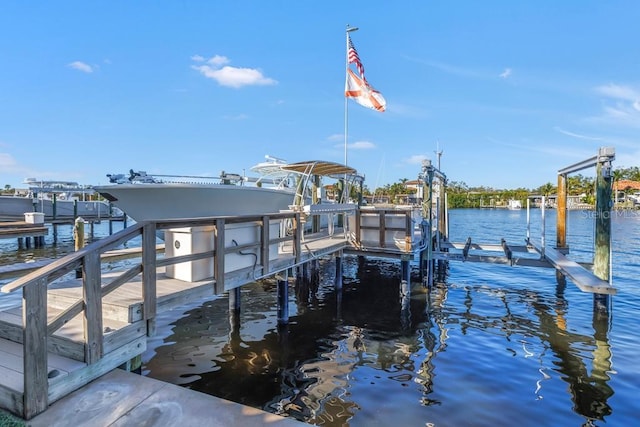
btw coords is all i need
(594, 278)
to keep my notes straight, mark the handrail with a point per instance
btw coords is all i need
(70, 261)
(38, 330)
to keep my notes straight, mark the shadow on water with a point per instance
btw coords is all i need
(367, 355)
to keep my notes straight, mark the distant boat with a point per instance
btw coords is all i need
(278, 186)
(513, 204)
(62, 199)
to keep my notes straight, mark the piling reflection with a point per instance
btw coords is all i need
(371, 335)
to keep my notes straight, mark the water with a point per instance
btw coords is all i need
(497, 345)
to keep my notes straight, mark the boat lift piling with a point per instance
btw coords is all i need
(439, 217)
(602, 242)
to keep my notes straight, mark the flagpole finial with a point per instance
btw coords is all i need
(350, 29)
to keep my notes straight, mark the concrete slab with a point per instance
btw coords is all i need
(121, 398)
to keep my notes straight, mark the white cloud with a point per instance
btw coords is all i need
(81, 66)
(579, 136)
(218, 60)
(361, 145)
(416, 159)
(6, 161)
(336, 137)
(241, 116)
(619, 92)
(230, 76)
(623, 108)
(506, 73)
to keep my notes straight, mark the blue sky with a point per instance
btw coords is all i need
(510, 91)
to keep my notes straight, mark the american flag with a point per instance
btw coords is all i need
(353, 58)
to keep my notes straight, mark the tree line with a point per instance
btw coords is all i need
(460, 195)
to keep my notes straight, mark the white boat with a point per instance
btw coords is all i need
(278, 186)
(59, 199)
(513, 204)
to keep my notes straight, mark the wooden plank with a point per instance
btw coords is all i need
(109, 362)
(149, 272)
(120, 337)
(92, 297)
(12, 378)
(54, 361)
(11, 400)
(35, 347)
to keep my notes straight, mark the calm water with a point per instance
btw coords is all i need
(496, 345)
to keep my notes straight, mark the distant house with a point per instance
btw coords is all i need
(627, 191)
(625, 184)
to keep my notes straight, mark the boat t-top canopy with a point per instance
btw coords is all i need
(322, 168)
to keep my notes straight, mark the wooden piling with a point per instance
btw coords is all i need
(234, 307)
(561, 219)
(283, 300)
(78, 238)
(338, 279)
(602, 253)
(405, 269)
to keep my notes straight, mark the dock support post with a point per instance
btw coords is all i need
(110, 219)
(338, 280)
(302, 284)
(78, 237)
(602, 250)
(283, 299)
(602, 253)
(561, 219)
(405, 269)
(314, 282)
(405, 307)
(20, 242)
(234, 307)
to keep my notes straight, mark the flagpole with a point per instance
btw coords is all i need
(346, 104)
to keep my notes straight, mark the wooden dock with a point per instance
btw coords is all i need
(69, 331)
(21, 229)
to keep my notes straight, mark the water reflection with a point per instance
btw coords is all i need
(344, 353)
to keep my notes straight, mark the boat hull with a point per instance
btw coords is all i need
(172, 201)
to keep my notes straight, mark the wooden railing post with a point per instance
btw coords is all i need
(297, 242)
(383, 228)
(34, 326)
(264, 244)
(358, 229)
(218, 258)
(149, 294)
(92, 296)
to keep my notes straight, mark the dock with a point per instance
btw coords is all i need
(79, 321)
(71, 331)
(23, 231)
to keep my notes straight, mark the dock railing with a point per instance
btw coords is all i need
(99, 350)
